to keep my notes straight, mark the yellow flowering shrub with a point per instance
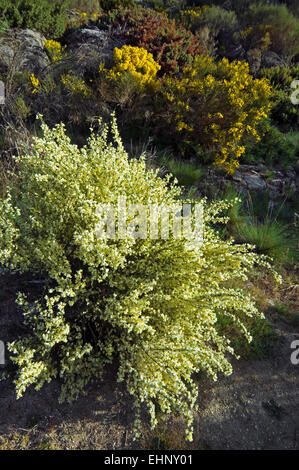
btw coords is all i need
(138, 62)
(216, 107)
(150, 306)
(75, 85)
(34, 82)
(55, 50)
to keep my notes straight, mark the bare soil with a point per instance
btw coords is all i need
(257, 407)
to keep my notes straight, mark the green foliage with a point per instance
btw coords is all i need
(215, 18)
(93, 6)
(86, 6)
(254, 220)
(112, 4)
(284, 114)
(3, 25)
(285, 314)
(293, 139)
(284, 27)
(269, 237)
(262, 332)
(46, 16)
(274, 148)
(186, 173)
(255, 37)
(148, 306)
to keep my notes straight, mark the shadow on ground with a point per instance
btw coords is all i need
(257, 407)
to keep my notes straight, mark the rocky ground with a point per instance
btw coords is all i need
(277, 183)
(257, 407)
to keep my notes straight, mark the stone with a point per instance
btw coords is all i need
(92, 45)
(237, 176)
(254, 58)
(271, 59)
(22, 49)
(254, 182)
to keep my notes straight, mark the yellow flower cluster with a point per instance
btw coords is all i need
(191, 13)
(228, 107)
(136, 60)
(75, 85)
(189, 17)
(34, 82)
(54, 49)
(194, 12)
(83, 15)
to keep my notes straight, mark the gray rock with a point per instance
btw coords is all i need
(22, 49)
(92, 35)
(92, 45)
(251, 178)
(237, 176)
(254, 182)
(275, 182)
(271, 59)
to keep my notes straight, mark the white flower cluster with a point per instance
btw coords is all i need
(151, 304)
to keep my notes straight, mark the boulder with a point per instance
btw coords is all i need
(22, 49)
(91, 45)
(254, 182)
(253, 179)
(271, 59)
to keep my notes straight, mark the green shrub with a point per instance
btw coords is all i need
(293, 139)
(274, 148)
(85, 6)
(284, 27)
(215, 18)
(186, 173)
(92, 6)
(3, 25)
(48, 17)
(255, 37)
(284, 114)
(263, 334)
(255, 220)
(148, 306)
(112, 4)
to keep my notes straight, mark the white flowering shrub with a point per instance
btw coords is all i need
(149, 306)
